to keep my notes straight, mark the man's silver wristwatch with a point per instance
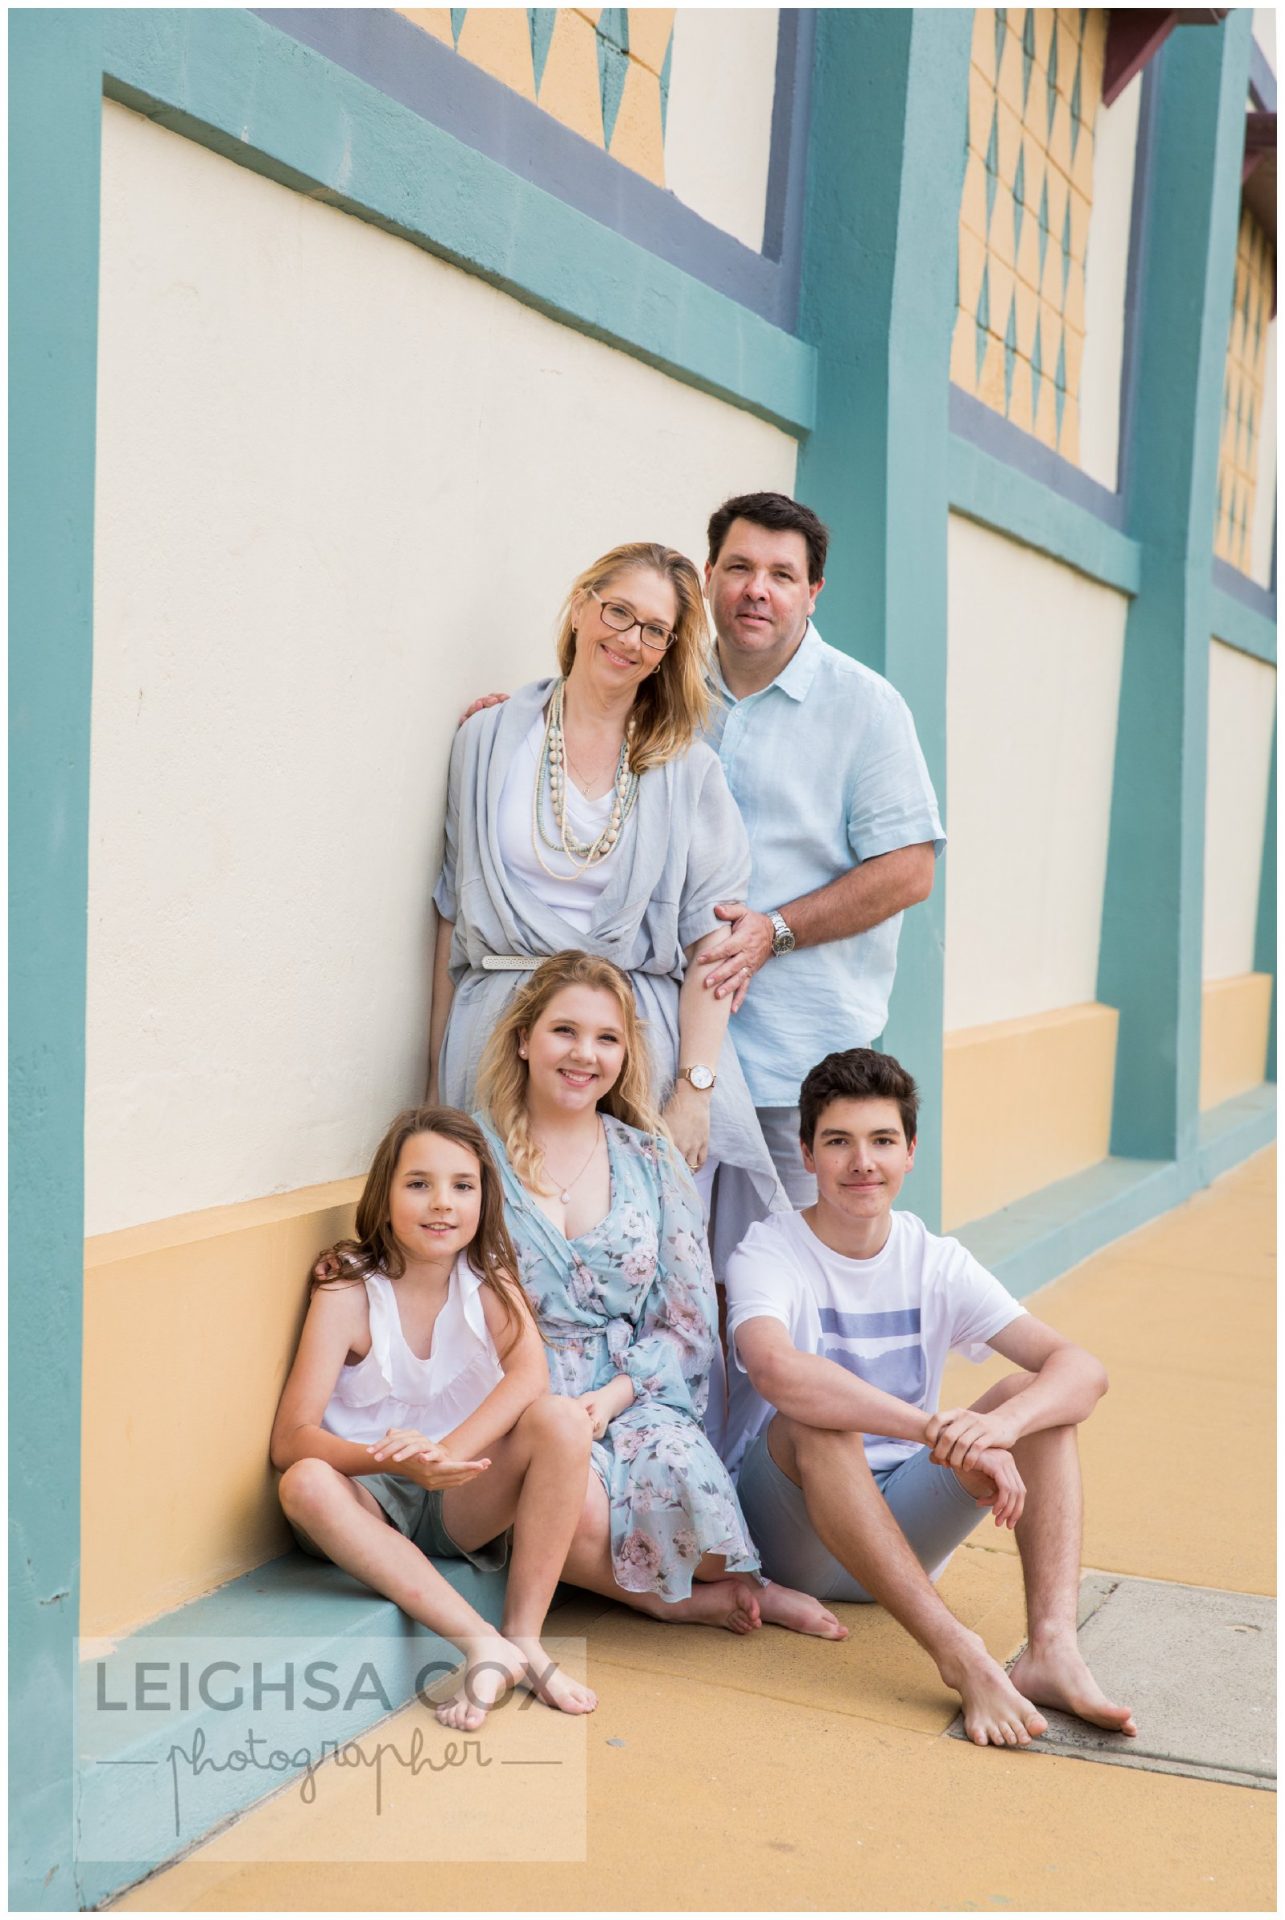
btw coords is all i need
(782, 938)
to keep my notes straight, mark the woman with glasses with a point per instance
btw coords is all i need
(584, 812)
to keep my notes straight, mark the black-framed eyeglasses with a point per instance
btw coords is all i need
(621, 619)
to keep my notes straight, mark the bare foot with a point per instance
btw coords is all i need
(546, 1680)
(785, 1607)
(995, 1713)
(492, 1667)
(732, 1603)
(1056, 1676)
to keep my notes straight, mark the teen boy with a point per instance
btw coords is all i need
(839, 1319)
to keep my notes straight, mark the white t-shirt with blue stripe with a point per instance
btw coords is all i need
(891, 1319)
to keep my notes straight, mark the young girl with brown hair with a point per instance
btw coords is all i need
(417, 1422)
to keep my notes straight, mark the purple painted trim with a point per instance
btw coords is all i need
(1238, 586)
(788, 161)
(973, 420)
(421, 72)
(1262, 81)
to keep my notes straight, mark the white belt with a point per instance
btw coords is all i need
(508, 963)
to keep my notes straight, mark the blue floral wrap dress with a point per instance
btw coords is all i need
(635, 1295)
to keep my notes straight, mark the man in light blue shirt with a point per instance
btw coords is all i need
(822, 758)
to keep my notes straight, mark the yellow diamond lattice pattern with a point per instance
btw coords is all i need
(1243, 393)
(602, 71)
(1034, 88)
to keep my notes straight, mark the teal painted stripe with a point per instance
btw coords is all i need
(266, 101)
(1239, 626)
(1150, 955)
(878, 301)
(53, 241)
(1009, 501)
(1230, 1133)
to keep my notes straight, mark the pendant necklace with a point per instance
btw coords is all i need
(565, 1195)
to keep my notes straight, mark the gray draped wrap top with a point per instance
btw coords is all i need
(684, 848)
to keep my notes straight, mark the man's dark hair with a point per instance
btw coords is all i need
(780, 514)
(858, 1074)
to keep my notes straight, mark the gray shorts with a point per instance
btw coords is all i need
(933, 1511)
(417, 1512)
(781, 1131)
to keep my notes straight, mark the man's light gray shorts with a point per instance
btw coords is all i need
(781, 1131)
(927, 1502)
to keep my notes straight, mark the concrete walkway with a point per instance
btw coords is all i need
(779, 1773)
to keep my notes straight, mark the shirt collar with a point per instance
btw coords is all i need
(794, 679)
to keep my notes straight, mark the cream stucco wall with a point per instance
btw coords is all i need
(718, 130)
(341, 488)
(1264, 523)
(1115, 136)
(1242, 706)
(1033, 681)
(1265, 33)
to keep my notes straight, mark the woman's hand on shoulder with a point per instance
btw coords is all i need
(336, 1263)
(480, 705)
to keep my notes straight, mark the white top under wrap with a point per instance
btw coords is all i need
(573, 896)
(391, 1387)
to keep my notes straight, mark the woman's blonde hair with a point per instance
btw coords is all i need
(503, 1075)
(671, 705)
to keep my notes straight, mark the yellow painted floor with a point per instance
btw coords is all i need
(779, 1773)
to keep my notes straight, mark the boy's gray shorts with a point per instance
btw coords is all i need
(933, 1511)
(417, 1512)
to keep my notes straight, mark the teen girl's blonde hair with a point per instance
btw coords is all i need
(375, 1248)
(502, 1076)
(672, 704)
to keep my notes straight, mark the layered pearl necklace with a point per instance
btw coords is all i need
(551, 771)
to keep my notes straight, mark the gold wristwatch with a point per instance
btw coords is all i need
(702, 1078)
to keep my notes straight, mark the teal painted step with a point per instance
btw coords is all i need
(1042, 1236)
(1239, 1127)
(145, 1757)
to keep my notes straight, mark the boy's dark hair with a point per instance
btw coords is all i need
(779, 514)
(858, 1074)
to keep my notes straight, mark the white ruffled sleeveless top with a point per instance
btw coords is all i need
(391, 1387)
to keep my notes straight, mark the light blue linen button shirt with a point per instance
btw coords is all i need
(827, 771)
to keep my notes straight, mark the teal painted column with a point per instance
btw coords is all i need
(1150, 964)
(885, 173)
(1265, 932)
(53, 241)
